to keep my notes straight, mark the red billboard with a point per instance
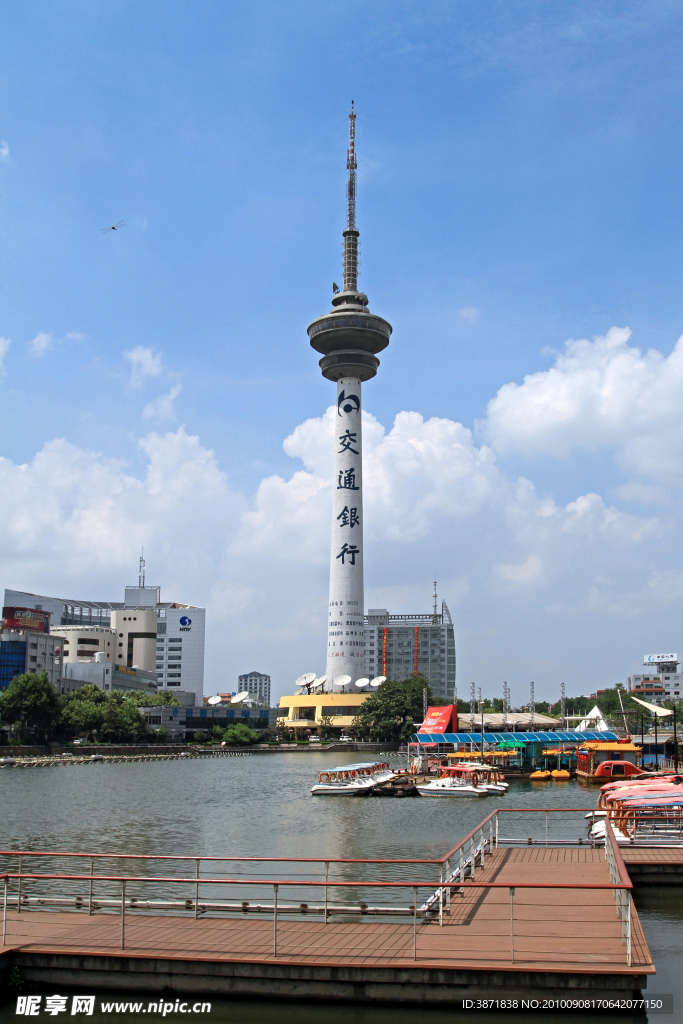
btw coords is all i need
(26, 618)
(440, 720)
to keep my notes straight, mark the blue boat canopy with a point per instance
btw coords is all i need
(570, 736)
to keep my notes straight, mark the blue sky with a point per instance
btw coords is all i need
(519, 186)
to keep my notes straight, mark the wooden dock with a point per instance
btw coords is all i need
(654, 865)
(504, 936)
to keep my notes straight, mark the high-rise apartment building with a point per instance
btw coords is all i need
(257, 685)
(397, 646)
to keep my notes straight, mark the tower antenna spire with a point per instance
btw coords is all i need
(351, 233)
(141, 574)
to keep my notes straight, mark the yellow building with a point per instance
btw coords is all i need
(308, 709)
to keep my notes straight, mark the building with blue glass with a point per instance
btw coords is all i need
(28, 651)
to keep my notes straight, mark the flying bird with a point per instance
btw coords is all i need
(113, 227)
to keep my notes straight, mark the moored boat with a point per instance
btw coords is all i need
(488, 777)
(647, 810)
(460, 781)
(352, 779)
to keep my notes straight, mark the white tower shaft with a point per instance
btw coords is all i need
(345, 623)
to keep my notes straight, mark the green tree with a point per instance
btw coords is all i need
(84, 716)
(239, 734)
(133, 724)
(121, 719)
(31, 701)
(152, 700)
(325, 726)
(391, 713)
(161, 734)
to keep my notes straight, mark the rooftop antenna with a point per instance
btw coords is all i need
(563, 706)
(506, 706)
(532, 707)
(351, 232)
(473, 706)
(434, 612)
(141, 573)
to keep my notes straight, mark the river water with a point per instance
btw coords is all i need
(261, 805)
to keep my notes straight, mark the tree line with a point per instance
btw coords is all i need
(37, 713)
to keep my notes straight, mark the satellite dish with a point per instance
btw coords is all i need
(214, 700)
(362, 682)
(322, 680)
(240, 697)
(297, 693)
(342, 680)
(378, 680)
(305, 679)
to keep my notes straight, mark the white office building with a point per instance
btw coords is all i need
(257, 685)
(82, 643)
(662, 681)
(163, 637)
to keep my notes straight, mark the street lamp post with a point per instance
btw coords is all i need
(675, 741)
(481, 708)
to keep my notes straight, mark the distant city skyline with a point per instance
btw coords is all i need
(521, 212)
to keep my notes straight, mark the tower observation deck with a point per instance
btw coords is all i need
(348, 339)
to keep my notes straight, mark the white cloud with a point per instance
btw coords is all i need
(144, 362)
(4, 346)
(528, 572)
(163, 408)
(41, 344)
(603, 394)
(523, 574)
(469, 313)
(4, 152)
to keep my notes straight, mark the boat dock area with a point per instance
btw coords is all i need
(523, 904)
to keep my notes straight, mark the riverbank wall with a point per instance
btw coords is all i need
(55, 750)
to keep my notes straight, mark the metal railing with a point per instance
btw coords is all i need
(619, 877)
(412, 893)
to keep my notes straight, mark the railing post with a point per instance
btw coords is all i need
(19, 890)
(92, 870)
(481, 846)
(448, 888)
(473, 857)
(512, 924)
(196, 892)
(414, 922)
(275, 888)
(4, 913)
(123, 914)
(497, 824)
(441, 896)
(327, 876)
(628, 927)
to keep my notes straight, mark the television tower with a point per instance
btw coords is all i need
(348, 339)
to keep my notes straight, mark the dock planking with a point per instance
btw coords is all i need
(557, 930)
